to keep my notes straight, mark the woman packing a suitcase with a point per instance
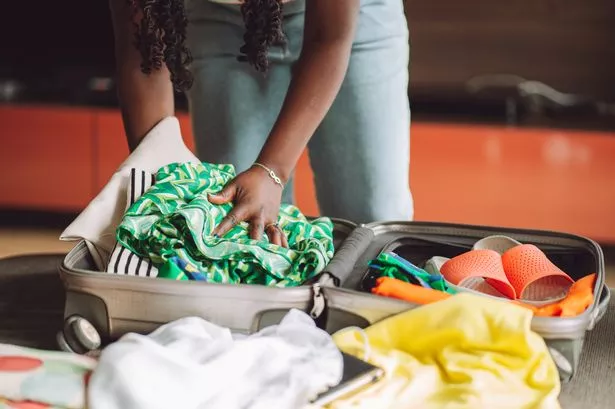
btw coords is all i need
(265, 79)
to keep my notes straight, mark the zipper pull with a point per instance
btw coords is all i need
(318, 302)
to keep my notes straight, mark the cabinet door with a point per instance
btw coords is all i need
(110, 145)
(548, 179)
(46, 158)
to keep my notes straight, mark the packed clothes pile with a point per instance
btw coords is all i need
(464, 352)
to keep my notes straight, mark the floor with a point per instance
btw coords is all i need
(15, 241)
(19, 241)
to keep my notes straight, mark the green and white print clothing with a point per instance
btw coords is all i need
(174, 219)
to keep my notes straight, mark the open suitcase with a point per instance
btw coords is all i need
(115, 305)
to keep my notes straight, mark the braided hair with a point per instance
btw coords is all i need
(160, 35)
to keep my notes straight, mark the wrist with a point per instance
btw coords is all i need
(270, 173)
(281, 171)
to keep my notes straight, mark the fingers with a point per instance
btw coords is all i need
(233, 218)
(224, 196)
(275, 235)
(257, 227)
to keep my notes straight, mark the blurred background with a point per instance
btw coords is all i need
(513, 116)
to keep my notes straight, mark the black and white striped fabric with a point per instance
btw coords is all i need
(123, 261)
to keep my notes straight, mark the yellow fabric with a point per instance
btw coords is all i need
(465, 352)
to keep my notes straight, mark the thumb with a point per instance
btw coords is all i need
(224, 196)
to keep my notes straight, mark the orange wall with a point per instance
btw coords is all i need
(58, 158)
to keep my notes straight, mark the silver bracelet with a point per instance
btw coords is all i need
(271, 173)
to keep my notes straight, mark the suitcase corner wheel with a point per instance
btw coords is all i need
(79, 336)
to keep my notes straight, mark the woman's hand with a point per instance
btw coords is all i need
(256, 197)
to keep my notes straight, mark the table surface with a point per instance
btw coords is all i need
(32, 303)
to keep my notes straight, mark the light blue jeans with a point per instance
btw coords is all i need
(360, 154)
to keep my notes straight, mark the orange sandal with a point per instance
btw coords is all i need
(508, 269)
(534, 277)
(481, 271)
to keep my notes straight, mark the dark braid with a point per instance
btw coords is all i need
(263, 20)
(160, 35)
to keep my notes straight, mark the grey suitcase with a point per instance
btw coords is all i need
(115, 305)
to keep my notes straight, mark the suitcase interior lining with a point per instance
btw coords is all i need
(575, 262)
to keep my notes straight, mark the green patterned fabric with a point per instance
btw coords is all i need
(394, 266)
(173, 221)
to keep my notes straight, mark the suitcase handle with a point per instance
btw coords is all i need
(601, 308)
(342, 264)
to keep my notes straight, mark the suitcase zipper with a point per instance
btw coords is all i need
(318, 302)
